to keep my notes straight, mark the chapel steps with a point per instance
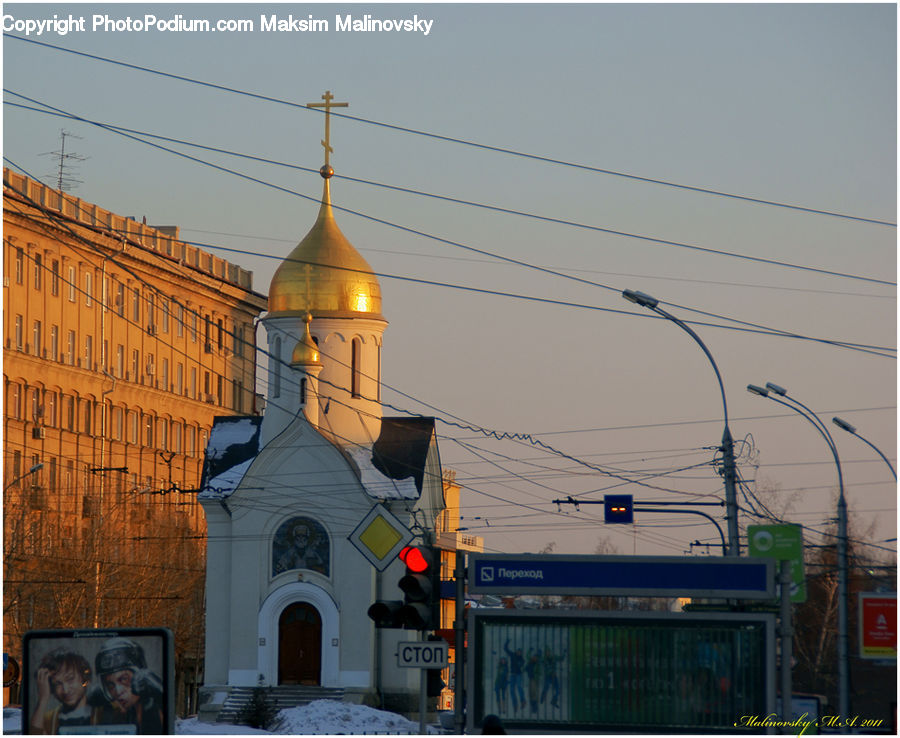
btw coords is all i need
(287, 695)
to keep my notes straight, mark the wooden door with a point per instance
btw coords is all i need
(300, 645)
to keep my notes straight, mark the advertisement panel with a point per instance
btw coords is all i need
(98, 682)
(582, 671)
(878, 625)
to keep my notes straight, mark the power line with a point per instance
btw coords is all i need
(559, 221)
(451, 139)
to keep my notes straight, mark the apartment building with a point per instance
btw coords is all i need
(121, 344)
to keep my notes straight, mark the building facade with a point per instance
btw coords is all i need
(121, 344)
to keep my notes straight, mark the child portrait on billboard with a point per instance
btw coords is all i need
(96, 682)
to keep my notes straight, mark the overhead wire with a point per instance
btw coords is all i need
(451, 139)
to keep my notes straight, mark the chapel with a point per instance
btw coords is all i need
(308, 504)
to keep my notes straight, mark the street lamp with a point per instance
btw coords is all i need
(727, 448)
(36, 468)
(844, 425)
(843, 654)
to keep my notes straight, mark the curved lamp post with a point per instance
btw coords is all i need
(36, 468)
(727, 448)
(844, 425)
(770, 390)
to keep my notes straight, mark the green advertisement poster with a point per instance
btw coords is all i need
(613, 671)
(783, 543)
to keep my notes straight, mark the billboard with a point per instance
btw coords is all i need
(586, 671)
(98, 682)
(878, 625)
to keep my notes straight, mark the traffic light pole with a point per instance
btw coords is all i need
(459, 627)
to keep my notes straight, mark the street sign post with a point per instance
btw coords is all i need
(783, 543)
(649, 576)
(422, 654)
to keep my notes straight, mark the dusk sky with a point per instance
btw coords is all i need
(688, 148)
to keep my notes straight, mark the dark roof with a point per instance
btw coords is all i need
(232, 441)
(402, 448)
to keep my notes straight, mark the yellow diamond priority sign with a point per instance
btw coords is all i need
(380, 537)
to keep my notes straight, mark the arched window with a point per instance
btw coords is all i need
(275, 360)
(303, 391)
(301, 543)
(355, 346)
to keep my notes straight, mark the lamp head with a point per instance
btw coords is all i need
(843, 425)
(640, 298)
(772, 387)
(36, 467)
(754, 390)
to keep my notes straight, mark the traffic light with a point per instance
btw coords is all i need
(618, 509)
(421, 588)
(386, 613)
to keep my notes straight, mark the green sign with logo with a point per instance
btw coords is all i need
(783, 543)
(589, 671)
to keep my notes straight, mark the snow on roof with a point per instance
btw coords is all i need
(226, 483)
(233, 444)
(377, 484)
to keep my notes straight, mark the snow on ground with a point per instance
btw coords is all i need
(322, 717)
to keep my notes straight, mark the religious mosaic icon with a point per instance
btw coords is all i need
(300, 543)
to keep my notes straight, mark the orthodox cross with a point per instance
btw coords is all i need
(328, 105)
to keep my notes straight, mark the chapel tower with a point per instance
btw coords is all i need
(326, 280)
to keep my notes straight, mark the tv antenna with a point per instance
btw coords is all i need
(64, 177)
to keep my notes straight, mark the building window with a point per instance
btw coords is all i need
(220, 400)
(164, 306)
(191, 441)
(70, 412)
(50, 418)
(54, 342)
(151, 313)
(179, 378)
(136, 306)
(118, 423)
(275, 361)
(88, 289)
(194, 327)
(238, 340)
(220, 333)
(193, 383)
(135, 365)
(19, 331)
(303, 391)
(179, 320)
(120, 299)
(165, 376)
(207, 330)
(354, 367)
(87, 416)
(36, 409)
(54, 277)
(134, 424)
(237, 391)
(148, 431)
(36, 336)
(163, 434)
(73, 282)
(20, 266)
(38, 271)
(206, 386)
(15, 400)
(70, 348)
(16, 466)
(88, 352)
(120, 361)
(176, 437)
(52, 475)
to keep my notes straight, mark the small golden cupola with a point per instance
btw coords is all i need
(306, 353)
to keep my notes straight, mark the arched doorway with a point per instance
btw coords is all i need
(300, 645)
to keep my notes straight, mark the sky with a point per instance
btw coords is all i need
(737, 162)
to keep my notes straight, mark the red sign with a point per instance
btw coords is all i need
(878, 626)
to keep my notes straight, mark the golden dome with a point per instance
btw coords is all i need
(325, 275)
(306, 352)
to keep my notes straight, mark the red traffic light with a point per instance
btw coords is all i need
(416, 559)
